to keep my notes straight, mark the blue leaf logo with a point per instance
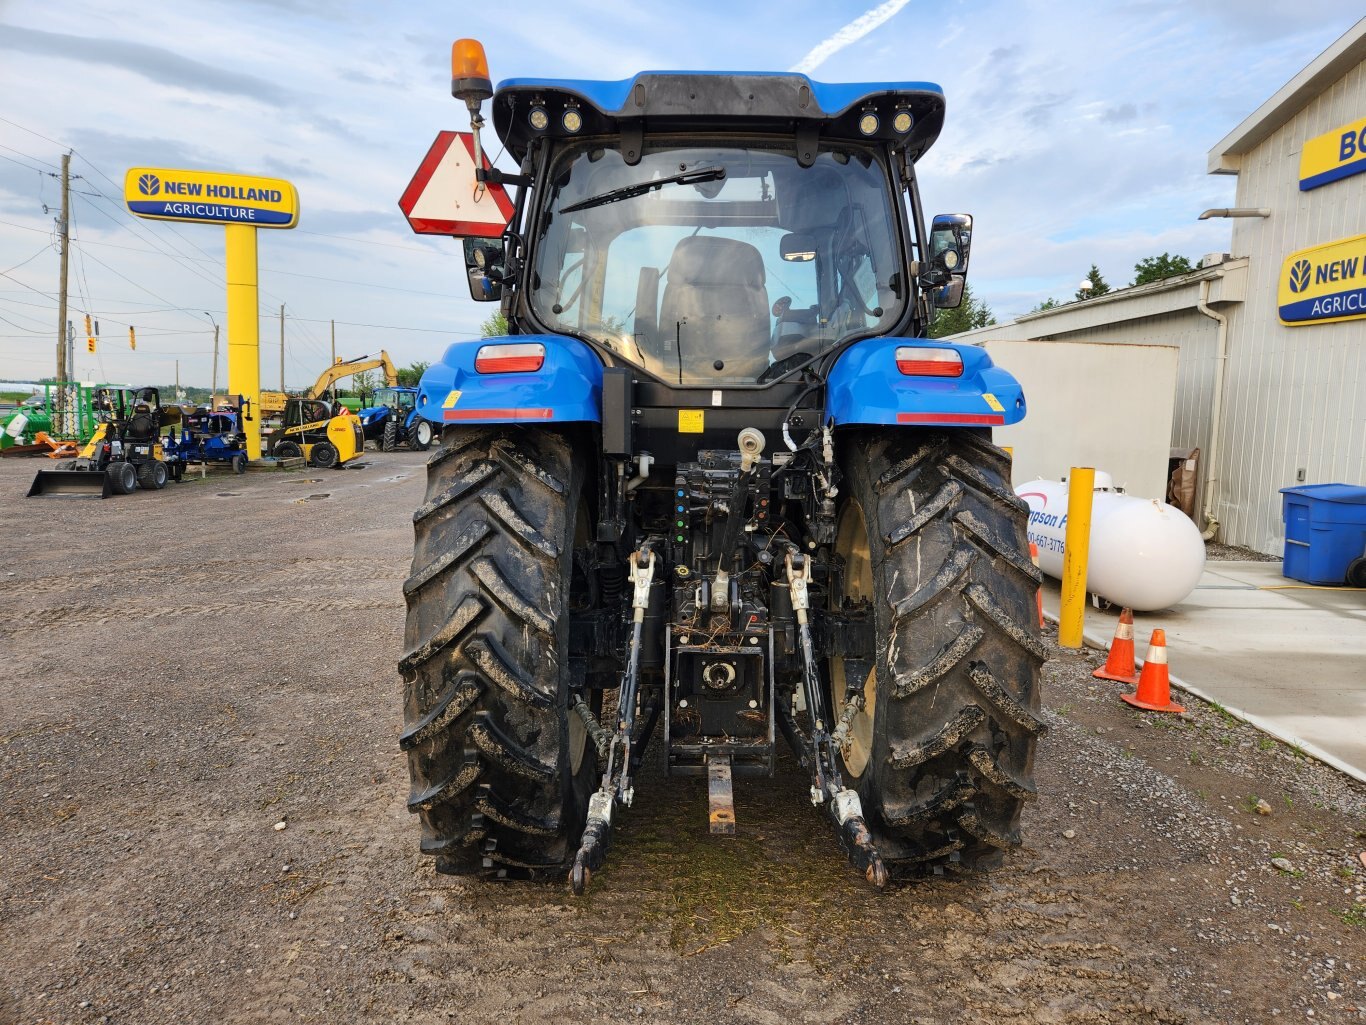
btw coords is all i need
(149, 185)
(1299, 276)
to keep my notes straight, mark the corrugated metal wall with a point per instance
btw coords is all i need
(1197, 337)
(1294, 397)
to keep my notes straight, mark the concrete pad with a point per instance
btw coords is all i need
(1288, 657)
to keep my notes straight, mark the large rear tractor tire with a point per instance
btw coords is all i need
(389, 442)
(501, 769)
(942, 755)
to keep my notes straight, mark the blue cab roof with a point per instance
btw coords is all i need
(706, 100)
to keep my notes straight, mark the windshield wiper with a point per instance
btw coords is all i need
(702, 174)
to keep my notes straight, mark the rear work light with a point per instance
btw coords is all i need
(917, 362)
(509, 359)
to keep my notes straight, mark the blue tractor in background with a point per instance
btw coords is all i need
(716, 486)
(394, 420)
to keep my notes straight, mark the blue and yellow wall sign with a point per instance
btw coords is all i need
(210, 197)
(1335, 155)
(1324, 283)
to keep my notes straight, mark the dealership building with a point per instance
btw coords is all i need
(1270, 367)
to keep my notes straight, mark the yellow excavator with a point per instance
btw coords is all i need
(273, 402)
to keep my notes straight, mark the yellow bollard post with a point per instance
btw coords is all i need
(1081, 484)
(244, 329)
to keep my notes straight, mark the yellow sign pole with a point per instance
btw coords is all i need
(1081, 486)
(244, 330)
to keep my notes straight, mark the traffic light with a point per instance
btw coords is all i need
(132, 339)
(90, 334)
(90, 344)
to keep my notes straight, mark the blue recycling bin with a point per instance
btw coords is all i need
(1325, 530)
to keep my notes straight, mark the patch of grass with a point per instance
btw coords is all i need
(1343, 871)
(1297, 752)
(1250, 803)
(1064, 710)
(1288, 802)
(1355, 915)
(1223, 713)
(1128, 752)
(1194, 757)
(1266, 744)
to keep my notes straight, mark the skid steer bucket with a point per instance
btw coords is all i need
(71, 484)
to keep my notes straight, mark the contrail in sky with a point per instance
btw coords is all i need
(851, 33)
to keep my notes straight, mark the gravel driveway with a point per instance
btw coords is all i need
(187, 670)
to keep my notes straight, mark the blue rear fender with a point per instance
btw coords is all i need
(567, 388)
(867, 387)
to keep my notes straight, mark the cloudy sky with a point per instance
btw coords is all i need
(1076, 133)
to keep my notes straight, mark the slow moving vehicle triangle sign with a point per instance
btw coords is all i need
(445, 199)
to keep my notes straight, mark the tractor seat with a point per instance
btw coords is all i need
(717, 286)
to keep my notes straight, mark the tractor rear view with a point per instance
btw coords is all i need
(716, 487)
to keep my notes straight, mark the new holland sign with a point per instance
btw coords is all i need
(1335, 155)
(210, 197)
(1324, 284)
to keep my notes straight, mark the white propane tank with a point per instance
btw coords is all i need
(16, 425)
(1145, 554)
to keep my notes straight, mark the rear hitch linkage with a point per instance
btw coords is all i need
(616, 784)
(827, 785)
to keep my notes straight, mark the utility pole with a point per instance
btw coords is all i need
(282, 347)
(334, 341)
(177, 380)
(213, 386)
(61, 302)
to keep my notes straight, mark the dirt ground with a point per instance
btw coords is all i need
(186, 670)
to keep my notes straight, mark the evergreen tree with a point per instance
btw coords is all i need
(1098, 284)
(968, 314)
(1047, 304)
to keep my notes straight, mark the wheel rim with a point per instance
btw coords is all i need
(851, 544)
(424, 433)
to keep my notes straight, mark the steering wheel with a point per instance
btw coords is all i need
(783, 366)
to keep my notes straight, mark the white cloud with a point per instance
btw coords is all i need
(850, 33)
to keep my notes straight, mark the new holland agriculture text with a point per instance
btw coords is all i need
(211, 197)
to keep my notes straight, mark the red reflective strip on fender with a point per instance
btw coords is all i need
(949, 418)
(499, 414)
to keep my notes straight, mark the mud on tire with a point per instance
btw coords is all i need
(500, 769)
(949, 750)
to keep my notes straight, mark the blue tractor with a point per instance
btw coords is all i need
(716, 486)
(394, 420)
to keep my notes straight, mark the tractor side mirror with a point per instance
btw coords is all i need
(947, 253)
(484, 268)
(949, 296)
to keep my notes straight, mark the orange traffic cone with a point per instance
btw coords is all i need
(1120, 665)
(1154, 687)
(1038, 593)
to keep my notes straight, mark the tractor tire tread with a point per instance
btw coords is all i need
(951, 768)
(486, 689)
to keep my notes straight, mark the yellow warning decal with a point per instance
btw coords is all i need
(690, 421)
(451, 400)
(993, 402)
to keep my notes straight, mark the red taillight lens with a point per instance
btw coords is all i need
(522, 358)
(917, 362)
